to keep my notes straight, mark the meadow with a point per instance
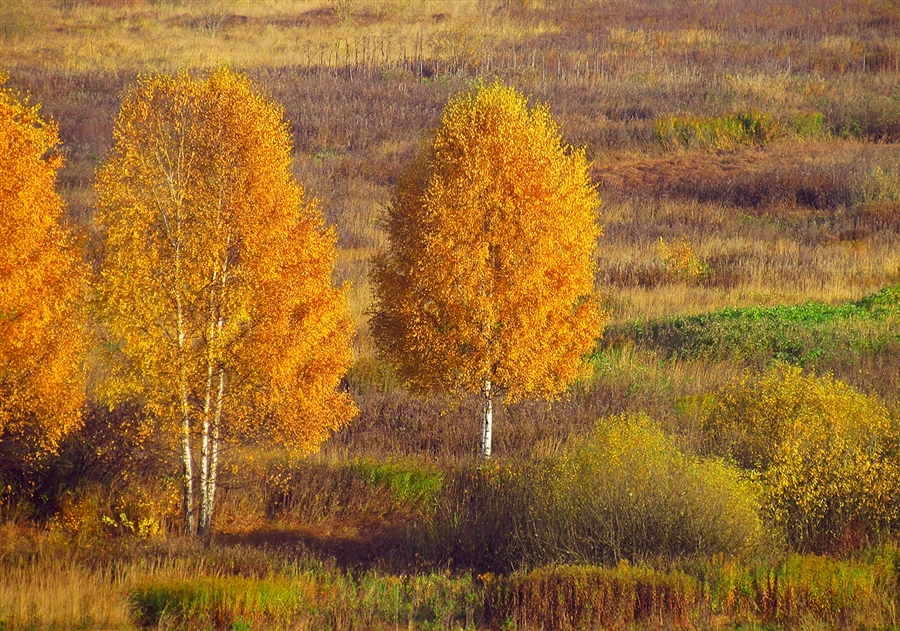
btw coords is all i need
(747, 158)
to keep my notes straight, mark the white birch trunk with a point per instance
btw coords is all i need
(186, 456)
(487, 419)
(211, 422)
(209, 498)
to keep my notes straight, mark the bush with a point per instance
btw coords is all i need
(628, 492)
(725, 133)
(824, 453)
(625, 493)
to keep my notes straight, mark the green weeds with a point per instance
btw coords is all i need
(411, 482)
(320, 600)
(727, 133)
(805, 334)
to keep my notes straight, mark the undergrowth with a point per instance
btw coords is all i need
(807, 334)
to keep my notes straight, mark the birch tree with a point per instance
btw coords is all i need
(216, 280)
(42, 284)
(487, 281)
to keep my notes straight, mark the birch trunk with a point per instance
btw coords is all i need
(186, 456)
(487, 419)
(209, 490)
(205, 449)
(212, 421)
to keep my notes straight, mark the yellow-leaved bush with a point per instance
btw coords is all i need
(488, 278)
(43, 280)
(824, 454)
(624, 492)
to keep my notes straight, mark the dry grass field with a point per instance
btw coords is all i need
(747, 154)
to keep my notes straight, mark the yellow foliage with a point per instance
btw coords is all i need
(216, 287)
(208, 237)
(42, 284)
(489, 274)
(824, 453)
(680, 259)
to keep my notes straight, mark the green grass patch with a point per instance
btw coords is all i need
(319, 600)
(805, 334)
(411, 482)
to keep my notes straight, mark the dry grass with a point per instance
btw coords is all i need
(363, 81)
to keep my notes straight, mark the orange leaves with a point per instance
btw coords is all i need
(489, 271)
(215, 263)
(42, 282)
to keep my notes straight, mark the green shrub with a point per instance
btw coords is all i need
(723, 133)
(727, 133)
(809, 124)
(627, 492)
(824, 454)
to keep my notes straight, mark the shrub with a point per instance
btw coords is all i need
(824, 453)
(626, 492)
(724, 133)
(680, 259)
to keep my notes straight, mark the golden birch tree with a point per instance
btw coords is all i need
(42, 283)
(487, 281)
(216, 283)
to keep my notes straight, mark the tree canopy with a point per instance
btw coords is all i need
(488, 276)
(42, 283)
(216, 283)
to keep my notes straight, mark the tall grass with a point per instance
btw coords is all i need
(314, 600)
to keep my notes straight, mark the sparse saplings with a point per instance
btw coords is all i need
(488, 279)
(216, 283)
(42, 285)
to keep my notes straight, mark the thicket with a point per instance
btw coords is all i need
(626, 492)
(825, 456)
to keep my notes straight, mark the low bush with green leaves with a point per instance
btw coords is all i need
(727, 133)
(626, 492)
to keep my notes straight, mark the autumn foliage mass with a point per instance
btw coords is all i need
(449, 315)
